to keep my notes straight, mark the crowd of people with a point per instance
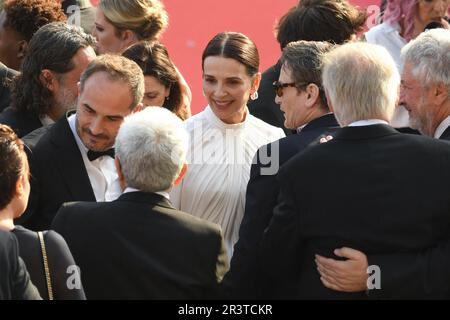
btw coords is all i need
(323, 177)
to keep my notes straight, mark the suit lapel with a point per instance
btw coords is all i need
(70, 162)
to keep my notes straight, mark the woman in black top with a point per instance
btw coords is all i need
(64, 276)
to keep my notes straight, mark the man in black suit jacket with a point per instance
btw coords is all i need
(429, 109)
(140, 246)
(73, 160)
(320, 20)
(302, 100)
(362, 189)
(14, 279)
(56, 56)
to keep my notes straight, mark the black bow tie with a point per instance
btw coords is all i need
(92, 155)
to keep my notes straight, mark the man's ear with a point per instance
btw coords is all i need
(21, 50)
(440, 94)
(330, 105)
(181, 175)
(47, 79)
(313, 95)
(119, 172)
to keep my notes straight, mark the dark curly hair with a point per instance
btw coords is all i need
(333, 21)
(12, 157)
(27, 16)
(154, 60)
(52, 47)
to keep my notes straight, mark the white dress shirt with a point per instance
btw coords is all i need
(368, 122)
(165, 194)
(102, 171)
(442, 127)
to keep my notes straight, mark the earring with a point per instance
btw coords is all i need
(167, 98)
(254, 95)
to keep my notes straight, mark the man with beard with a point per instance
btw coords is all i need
(425, 84)
(47, 87)
(74, 159)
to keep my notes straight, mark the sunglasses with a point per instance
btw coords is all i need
(278, 86)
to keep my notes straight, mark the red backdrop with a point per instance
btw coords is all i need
(192, 23)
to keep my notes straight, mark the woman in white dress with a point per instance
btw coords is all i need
(224, 137)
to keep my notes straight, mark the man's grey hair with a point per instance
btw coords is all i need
(304, 60)
(361, 81)
(429, 54)
(151, 146)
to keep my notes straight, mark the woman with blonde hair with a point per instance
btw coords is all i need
(119, 23)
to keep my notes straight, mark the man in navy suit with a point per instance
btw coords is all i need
(302, 100)
(140, 246)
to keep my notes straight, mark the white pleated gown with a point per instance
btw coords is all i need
(219, 160)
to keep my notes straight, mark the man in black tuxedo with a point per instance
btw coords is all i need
(47, 87)
(317, 20)
(73, 161)
(14, 279)
(363, 189)
(302, 100)
(425, 96)
(139, 246)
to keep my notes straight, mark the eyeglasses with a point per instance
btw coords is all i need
(278, 86)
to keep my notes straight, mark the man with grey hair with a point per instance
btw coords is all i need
(74, 159)
(140, 246)
(360, 189)
(425, 90)
(47, 87)
(301, 97)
